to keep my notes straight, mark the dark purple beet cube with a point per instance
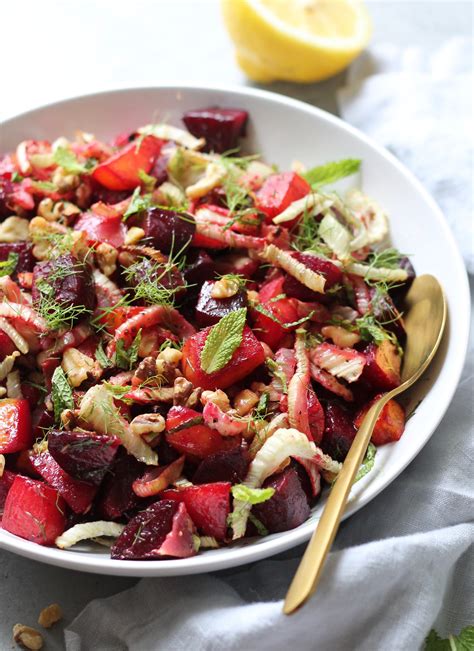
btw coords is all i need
(116, 498)
(288, 508)
(339, 431)
(221, 127)
(163, 530)
(166, 230)
(65, 280)
(26, 262)
(6, 189)
(384, 310)
(209, 310)
(83, 455)
(155, 273)
(199, 267)
(294, 289)
(229, 465)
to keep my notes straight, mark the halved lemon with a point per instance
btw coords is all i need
(296, 40)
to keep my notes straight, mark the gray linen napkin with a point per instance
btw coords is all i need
(404, 563)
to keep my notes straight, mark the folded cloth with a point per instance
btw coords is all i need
(403, 564)
(421, 109)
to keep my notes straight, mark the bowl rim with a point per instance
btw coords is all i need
(239, 555)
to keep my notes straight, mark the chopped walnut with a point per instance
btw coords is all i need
(14, 229)
(219, 398)
(194, 398)
(39, 230)
(244, 401)
(146, 370)
(64, 181)
(340, 336)
(171, 356)
(28, 637)
(134, 235)
(182, 390)
(2, 464)
(77, 366)
(225, 287)
(148, 424)
(106, 256)
(50, 615)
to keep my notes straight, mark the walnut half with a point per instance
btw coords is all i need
(28, 637)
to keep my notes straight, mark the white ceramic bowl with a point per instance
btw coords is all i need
(282, 130)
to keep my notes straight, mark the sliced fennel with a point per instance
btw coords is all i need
(369, 272)
(87, 530)
(298, 270)
(315, 202)
(336, 236)
(168, 132)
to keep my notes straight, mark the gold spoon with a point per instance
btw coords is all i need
(425, 318)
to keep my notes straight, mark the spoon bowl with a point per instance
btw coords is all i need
(425, 320)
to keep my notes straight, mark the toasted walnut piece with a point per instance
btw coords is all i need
(69, 418)
(2, 464)
(39, 230)
(106, 256)
(45, 209)
(50, 615)
(28, 637)
(225, 287)
(77, 366)
(83, 195)
(219, 398)
(194, 398)
(146, 369)
(14, 229)
(171, 356)
(182, 390)
(64, 181)
(148, 424)
(340, 336)
(244, 401)
(134, 235)
(3, 392)
(252, 296)
(7, 364)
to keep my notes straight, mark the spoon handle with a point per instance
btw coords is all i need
(310, 568)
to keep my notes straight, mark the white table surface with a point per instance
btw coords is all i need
(56, 49)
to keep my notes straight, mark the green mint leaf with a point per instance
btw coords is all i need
(148, 181)
(8, 266)
(462, 642)
(16, 177)
(102, 358)
(331, 172)
(223, 340)
(137, 203)
(66, 159)
(261, 410)
(368, 462)
(126, 359)
(61, 393)
(243, 493)
(117, 390)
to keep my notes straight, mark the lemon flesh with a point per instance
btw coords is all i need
(296, 40)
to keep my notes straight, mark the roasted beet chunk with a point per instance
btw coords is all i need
(64, 281)
(25, 261)
(116, 497)
(82, 455)
(163, 530)
(221, 128)
(209, 309)
(295, 289)
(199, 267)
(339, 432)
(229, 465)
(166, 230)
(288, 508)
(146, 273)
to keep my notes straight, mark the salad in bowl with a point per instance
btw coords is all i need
(189, 337)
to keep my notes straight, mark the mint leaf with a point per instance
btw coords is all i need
(61, 393)
(463, 642)
(243, 493)
(66, 159)
(8, 266)
(223, 340)
(126, 359)
(331, 172)
(117, 390)
(148, 181)
(102, 358)
(137, 203)
(368, 462)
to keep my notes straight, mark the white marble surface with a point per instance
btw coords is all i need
(56, 49)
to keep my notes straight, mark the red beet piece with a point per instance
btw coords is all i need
(152, 272)
(187, 434)
(209, 310)
(15, 425)
(116, 498)
(382, 369)
(82, 455)
(288, 507)
(385, 311)
(236, 263)
(315, 416)
(228, 466)
(121, 171)
(208, 506)
(6, 345)
(268, 323)
(66, 280)
(278, 191)
(390, 424)
(25, 261)
(245, 359)
(6, 481)
(333, 275)
(163, 530)
(339, 432)
(199, 267)
(34, 511)
(77, 494)
(221, 127)
(166, 230)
